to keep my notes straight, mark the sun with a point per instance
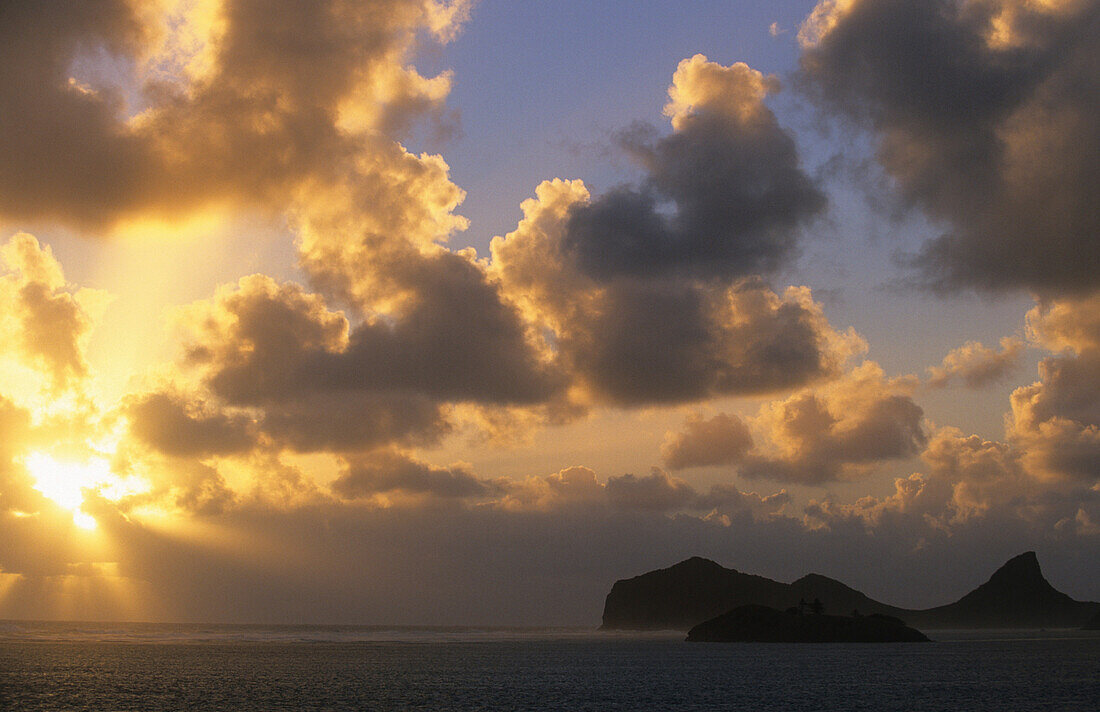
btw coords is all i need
(63, 481)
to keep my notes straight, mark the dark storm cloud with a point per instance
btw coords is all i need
(985, 112)
(724, 195)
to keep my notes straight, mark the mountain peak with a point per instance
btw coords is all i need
(1017, 592)
(698, 563)
(1023, 568)
(812, 578)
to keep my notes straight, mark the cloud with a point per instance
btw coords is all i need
(428, 328)
(179, 428)
(656, 492)
(200, 489)
(65, 150)
(971, 474)
(575, 486)
(660, 492)
(201, 103)
(341, 421)
(222, 104)
(977, 365)
(665, 338)
(386, 471)
(725, 503)
(654, 294)
(1043, 477)
(1044, 473)
(670, 343)
(357, 228)
(721, 440)
(48, 322)
(455, 341)
(1066, 324)
(277, 348)
(1003, 144)
(577, 489)
(324, 384)
(1055, 422)
(838, 431)
(729, 169)
(969, 483)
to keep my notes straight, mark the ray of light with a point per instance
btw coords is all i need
(64, 482)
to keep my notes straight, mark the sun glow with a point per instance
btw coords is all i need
(64, 482)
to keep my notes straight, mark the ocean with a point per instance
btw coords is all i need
(97, 666)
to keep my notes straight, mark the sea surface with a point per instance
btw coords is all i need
(98, 666)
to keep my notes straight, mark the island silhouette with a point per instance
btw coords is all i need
(697, 590)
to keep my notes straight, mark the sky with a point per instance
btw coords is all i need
(451, 312)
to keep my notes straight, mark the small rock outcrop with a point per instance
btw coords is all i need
(761, 624)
